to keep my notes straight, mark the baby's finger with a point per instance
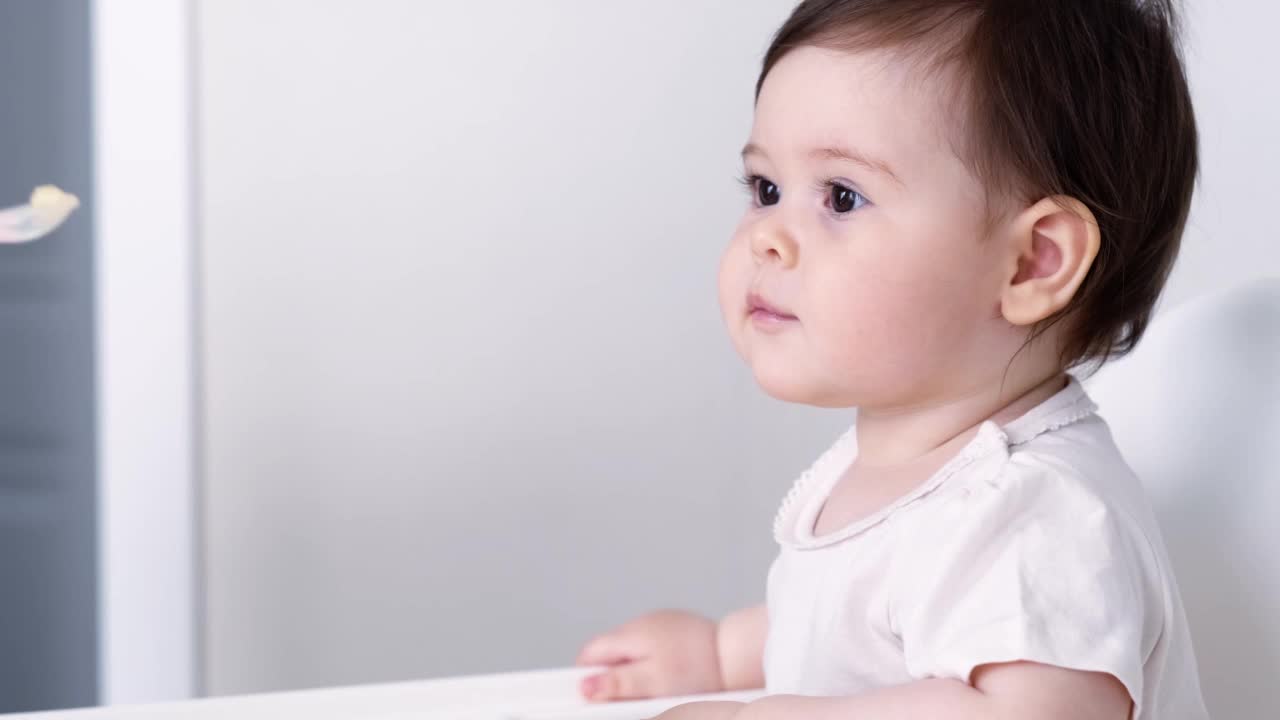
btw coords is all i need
(625, 682)
(609, 649)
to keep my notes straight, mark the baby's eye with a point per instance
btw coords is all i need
(766, 192)
(763, 191)
(844, 199)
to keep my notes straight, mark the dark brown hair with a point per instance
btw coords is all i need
(1084, 98)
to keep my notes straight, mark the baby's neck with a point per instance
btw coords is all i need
(890, 437)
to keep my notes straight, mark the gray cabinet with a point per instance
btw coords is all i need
(48, 627)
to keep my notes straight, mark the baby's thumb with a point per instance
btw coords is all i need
(624, 682)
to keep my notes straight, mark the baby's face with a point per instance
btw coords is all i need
(866, 237)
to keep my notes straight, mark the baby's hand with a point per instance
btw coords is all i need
(661, 654)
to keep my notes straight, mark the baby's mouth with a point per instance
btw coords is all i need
(762, 310)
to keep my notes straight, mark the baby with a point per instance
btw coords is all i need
(952, 204)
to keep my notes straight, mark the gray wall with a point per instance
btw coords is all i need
(48, 634)
(1230, 236)
(467, 396)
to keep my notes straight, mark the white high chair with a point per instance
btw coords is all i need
(1196, 411)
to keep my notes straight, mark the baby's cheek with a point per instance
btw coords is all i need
(888, 332)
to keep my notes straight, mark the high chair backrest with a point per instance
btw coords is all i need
(1196, 411)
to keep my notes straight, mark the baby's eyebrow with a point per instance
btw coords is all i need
(857, 158)
(837, 153)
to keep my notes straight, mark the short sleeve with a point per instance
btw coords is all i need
(1028, 565)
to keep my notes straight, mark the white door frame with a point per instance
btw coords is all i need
(145, 231)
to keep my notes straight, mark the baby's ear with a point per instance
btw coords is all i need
(1052, 248)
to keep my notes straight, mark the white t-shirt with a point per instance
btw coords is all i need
(1036, 542)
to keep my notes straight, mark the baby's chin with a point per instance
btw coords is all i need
(789, 384)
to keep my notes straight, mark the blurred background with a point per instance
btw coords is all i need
(385, 344)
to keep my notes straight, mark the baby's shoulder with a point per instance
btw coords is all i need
(1069, 488)
(1078, 466)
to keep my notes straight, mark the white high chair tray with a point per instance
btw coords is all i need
(540, 695)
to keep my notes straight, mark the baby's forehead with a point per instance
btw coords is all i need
(876, 100)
